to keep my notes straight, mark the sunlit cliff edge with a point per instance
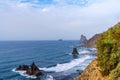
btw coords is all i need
(107, 64)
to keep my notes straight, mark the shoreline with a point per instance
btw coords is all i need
(92, 72)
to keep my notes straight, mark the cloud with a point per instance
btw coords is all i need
(59, 19)
(45, 10)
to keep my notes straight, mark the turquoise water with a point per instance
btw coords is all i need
(52, 57)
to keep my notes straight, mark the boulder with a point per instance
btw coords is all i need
(22, 67)
(33, 70)
(75, 51)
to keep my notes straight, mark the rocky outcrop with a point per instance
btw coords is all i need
(75, 51)
(83, 39)
(33, 70)
(22, 67)
(92, 72)
(92, 41)
(30, 70)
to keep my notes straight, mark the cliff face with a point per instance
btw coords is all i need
(92, 72)
(107, 64)
(92, 41)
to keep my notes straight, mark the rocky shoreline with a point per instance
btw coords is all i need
(92, 72)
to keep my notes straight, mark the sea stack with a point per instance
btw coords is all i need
(34, 70)
(83, 39)
(75, 51)
(30, 70)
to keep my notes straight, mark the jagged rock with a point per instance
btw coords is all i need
(83, 39)
(75, 51)
(33, 70)
(92, 41)
(22, 67)
(30, 70)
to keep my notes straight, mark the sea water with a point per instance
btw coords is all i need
(54, 58)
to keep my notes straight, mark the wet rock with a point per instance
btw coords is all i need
(79, 71)
(33, 70)
(75, 51)
(30, 70)
(22, 67)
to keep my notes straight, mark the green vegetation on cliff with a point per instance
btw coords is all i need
(115, 74)
(107, 64)
(108, 55)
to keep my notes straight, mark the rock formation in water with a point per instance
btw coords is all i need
(92, 41)
(33, 70)
(22, 67)
(83, 39)
(75, 51)
(30, 70)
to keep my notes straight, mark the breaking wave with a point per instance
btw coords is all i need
(66, 66)
(84, 52)
(23, 73)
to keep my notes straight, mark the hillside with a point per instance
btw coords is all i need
(107, 64)
(92, 72)
(92, 41)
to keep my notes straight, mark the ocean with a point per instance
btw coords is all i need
(54, 58)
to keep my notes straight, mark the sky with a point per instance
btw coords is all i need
(56, 19)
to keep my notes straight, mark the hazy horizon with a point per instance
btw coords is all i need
(56, 19)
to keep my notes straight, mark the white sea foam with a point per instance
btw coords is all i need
(66, 66)
(49, 77)
(23, 73)
(83, 52)
(93, 49)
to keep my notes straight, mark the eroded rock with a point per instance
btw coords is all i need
(75, 51)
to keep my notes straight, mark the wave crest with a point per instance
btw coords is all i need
(66, 66)
(23, 73)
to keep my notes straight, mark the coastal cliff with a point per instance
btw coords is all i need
(92, 72)
(107, 64)
(92, 41)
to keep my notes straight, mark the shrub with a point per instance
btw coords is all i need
(108, 46)
(115, 73)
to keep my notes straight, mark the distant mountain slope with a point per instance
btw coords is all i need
(83, 39)
(92, 41)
